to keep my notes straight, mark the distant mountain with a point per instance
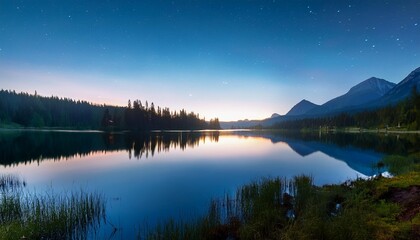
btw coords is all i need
(363, 93)
(248, 123)
(274, 115)
(370, 94)
(301, 108)
(401, 91)
(240, 124)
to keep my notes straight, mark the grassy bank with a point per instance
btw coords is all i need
(50, 216)
(378, 208)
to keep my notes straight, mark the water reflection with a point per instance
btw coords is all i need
(143, 145)
(25, 147)
(359, 151)
(174, 174)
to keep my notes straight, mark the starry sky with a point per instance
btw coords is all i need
(227, 59)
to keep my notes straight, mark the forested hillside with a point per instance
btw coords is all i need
(405, 115)
(27, 110)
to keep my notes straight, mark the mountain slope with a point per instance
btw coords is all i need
(302, 107)
(274, 115)
(401, 91)
(363, 93)
(370, 94)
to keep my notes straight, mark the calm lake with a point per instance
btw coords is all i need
(147, 178)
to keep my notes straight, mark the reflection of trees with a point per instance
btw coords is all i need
(148, 144)
(34, 146)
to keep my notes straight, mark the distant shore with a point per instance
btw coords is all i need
(322, 130)
(378, 130)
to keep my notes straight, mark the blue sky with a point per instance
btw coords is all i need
(226, 59)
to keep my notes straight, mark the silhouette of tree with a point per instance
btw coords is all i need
(23, 109)
(107, 119)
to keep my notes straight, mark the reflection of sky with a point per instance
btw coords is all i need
(178, 182)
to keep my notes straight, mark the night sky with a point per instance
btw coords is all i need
(226, 59)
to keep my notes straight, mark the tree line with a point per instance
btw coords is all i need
(148, 117)
(32, 110)
(405, 114)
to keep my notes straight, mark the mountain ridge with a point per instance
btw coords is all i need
(301, 107)
(400, 91)
(364, 92)
(369, 94)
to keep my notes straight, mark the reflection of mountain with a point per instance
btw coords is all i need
(360, 160)
(359, 151)
(28, 146)
(301, 148)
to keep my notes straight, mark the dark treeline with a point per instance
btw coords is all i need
(26, 110)
(144, 117)
(405, 114)
(36, 111)
(35, 146)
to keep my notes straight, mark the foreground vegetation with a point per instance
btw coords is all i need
(377, 208)
(30, 216)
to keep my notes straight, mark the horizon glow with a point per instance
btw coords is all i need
(227, 59)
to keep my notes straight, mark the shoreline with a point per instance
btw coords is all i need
(323, 130)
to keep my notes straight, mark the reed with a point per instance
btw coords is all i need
(278, 208)
(9, 182)
(49, 216)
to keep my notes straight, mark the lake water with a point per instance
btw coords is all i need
(147, 178)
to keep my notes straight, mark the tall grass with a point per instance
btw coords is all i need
(10, 182)
(296, 209)
(50, 216)
(253, 213)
